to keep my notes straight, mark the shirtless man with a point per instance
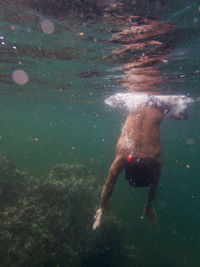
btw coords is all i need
(138, 151)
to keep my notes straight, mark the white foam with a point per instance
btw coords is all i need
(175, 103)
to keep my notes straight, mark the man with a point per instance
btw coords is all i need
(138, 149)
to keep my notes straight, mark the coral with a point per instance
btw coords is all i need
(12, 182)
(49, 221)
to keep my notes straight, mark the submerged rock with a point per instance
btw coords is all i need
(50, 221)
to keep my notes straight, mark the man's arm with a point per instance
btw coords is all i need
(115, 169)
(148, 211)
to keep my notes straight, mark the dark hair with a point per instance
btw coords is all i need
(141, 172)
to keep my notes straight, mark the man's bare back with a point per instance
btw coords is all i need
(140, 134)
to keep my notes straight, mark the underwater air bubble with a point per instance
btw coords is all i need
(47, 26)
(20, 77)
(131, 101)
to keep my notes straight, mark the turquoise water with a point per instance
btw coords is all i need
(59, 115)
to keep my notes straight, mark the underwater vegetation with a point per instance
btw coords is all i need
(47, 221)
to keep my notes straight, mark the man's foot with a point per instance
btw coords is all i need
(150, 213)
(97, 219)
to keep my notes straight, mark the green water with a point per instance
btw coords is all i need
(59, 116)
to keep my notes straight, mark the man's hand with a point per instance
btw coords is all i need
(150, 213)
(97, 219)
